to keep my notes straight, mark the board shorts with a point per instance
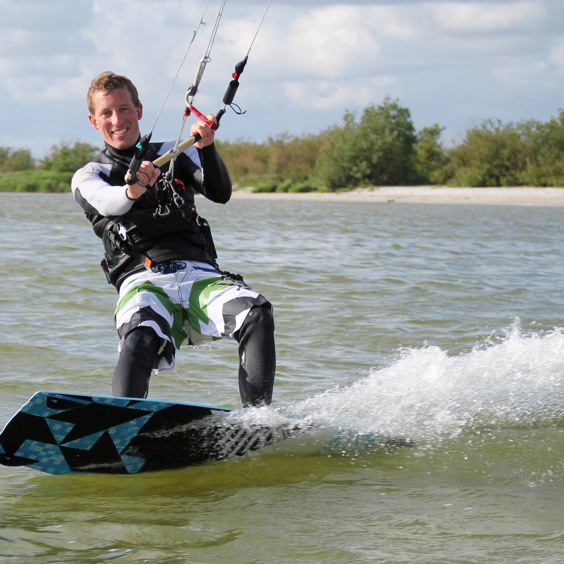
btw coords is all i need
(193, 305)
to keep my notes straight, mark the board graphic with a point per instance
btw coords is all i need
(60, 433)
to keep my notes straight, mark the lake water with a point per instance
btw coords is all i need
(435, 322)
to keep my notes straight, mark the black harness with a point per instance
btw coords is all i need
(162, 225)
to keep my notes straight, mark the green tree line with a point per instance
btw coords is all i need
(379, 147)
(20, 172)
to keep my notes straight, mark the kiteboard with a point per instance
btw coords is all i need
(62, 433)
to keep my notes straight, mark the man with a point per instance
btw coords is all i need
(159, 253)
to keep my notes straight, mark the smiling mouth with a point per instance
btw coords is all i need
(120, 131)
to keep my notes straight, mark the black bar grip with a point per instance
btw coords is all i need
(142, 148)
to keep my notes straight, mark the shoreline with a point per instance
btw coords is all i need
(513, 196)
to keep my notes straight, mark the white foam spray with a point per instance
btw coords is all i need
(516, 379)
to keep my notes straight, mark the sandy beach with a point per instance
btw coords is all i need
(523, 196)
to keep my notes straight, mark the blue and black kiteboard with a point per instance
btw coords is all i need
(61, 433)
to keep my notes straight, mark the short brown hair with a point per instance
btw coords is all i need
(108, 82)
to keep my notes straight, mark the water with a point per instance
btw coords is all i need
(435, 322)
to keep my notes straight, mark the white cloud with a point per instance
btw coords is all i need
(556, 56)
(311, 61)
(327, 42)
(319, 96)
(483, 18)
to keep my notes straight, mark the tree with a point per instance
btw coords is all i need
(69, 158)
(247, 161)
(15, 160)
(335, 166)
(379, 149)
(293, 158)
(544, 146)
(385, 141)
(492, 154)
(430, 156)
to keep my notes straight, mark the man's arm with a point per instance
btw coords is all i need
(216, 182)
(95, 195)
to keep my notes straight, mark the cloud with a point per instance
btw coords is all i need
(320, 96)
(481, 19)
(556, 55)
(450, 62)
(326, 42)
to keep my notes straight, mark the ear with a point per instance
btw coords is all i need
(139, 110)
(93, 121)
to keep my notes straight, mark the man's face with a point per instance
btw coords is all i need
(116, 117)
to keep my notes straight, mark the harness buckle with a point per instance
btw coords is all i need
(178, 199)
(166, 267)
(123, 230)
(162, 210)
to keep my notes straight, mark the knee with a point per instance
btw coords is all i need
(141, 340)
(138, 357)
(259, 321)
(260, 316)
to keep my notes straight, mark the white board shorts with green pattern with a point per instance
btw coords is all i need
(192, 306)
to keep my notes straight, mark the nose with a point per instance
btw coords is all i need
(116, 118)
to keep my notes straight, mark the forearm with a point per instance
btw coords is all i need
(216, 180)
(97, 196)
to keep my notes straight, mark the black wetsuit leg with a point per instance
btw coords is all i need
(257, 356)
(139, 355)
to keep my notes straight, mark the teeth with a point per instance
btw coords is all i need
(120, 132)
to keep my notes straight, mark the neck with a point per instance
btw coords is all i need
(130, 151)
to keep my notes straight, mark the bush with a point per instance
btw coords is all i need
(268, 186)
(35, 181)
(430, 156)
(303, 187)
(336, 157)
(15, 159)
(491, 155)
(544, 148)
(69, 158)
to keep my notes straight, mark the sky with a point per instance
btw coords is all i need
(451, 63)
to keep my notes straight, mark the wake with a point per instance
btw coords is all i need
(512, 380)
